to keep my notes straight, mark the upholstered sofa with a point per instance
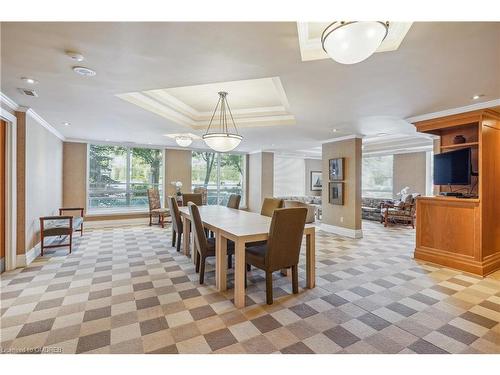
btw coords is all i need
(370, 208)
(311, 209)
(312, 203)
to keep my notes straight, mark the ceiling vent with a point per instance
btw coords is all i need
(28, 92)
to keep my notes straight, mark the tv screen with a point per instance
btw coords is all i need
(453, 168)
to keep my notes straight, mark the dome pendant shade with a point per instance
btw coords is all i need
(183, 141)
(353, 42)
(222, 140)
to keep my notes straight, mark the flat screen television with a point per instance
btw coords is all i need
(453, 167)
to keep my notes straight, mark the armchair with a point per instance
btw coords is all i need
(402, 211)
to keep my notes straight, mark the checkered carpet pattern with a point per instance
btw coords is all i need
(126, 290)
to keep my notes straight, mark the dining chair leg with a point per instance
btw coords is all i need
(70, 241)
(179, 235)
(295, 279)
(269, 288)
(197, 264)
(150, 219)
(202, 269)
(174, 234)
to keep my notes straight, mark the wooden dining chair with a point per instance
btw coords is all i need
(234, 201)
(155, 207)
(204, 194)
(282, 248)
(196, 198)
(177, 228)
(204, 247)
(269, 205)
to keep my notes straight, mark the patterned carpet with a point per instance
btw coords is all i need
(125, 290)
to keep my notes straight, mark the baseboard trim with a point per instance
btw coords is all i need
(459, 262)
(97, 224)
(24, 260)
(341, 231)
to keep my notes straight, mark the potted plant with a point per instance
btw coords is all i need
(178, 187)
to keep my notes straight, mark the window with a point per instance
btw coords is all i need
(221, 174)
(120, 176)
(377, 176)
(289, 176)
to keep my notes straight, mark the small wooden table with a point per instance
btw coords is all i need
(241, 227)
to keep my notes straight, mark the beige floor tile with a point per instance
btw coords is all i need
(196, 345)
(180, 318)
(321, 344)
(244, 331)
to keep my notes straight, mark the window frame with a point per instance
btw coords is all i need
(243, 203)
(390, 191)
(123, 209)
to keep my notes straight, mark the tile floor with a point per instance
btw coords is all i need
(125, 290)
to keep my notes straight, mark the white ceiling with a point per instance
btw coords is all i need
(437, 66)
(253, 102)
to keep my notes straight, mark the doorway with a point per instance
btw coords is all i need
(3, 201)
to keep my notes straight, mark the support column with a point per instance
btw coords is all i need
(343, 219)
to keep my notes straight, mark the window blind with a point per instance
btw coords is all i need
(289, 176)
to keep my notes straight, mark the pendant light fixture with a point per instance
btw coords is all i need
(354, 41)
(183, 140)
(222, 140)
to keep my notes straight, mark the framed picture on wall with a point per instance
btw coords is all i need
(336, 193)
(316, 181)
(336, 169)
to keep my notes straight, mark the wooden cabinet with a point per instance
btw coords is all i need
(457, 232)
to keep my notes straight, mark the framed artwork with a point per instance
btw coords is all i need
(336, 193)
(316, 181)
(336, 169)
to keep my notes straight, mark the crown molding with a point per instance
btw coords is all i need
(30, 112)
(4, 99)
(35, 116)
(454, 111)
(166, 104)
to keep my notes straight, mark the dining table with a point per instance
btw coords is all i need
(241, 227)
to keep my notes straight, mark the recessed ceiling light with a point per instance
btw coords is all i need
(66, 123)
(83, 71)
(476, 97)
(30, 80)
(334, 130)
(107, 140)
(74, 55)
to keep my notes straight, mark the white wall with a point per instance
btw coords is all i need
(289, 176)
(43, 177)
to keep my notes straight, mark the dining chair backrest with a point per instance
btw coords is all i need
(234, 201)
(285, 237)
(200, 238)
(174, 213)
(196, 198)
(269, 205)
(154, 199)
(204, 193)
